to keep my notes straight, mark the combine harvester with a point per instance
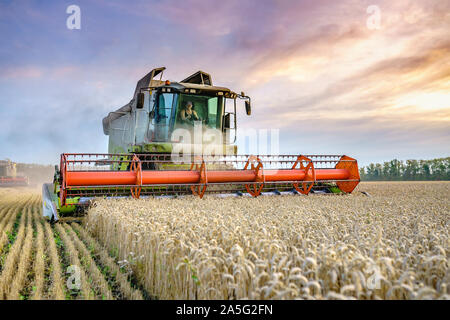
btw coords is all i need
(8, 175)
(149, 157)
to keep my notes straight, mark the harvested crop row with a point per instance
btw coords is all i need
(56, 288)
(18, 281)
(10, 200)
(392, 245)
(9, 218)
(39, 259)
(6, 225)
(4, 212)
(72, 253)
(10, 266)
(98, 281)
(127, 291)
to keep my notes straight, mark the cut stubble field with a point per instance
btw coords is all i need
(393, 244)
(39, 260)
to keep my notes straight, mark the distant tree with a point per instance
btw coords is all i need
(386, 170)
(425, 170)
(438, 169)
(411, 170)
(378, 171)
(447, 168)
(395, 169)
(362, 173)
(371, 172)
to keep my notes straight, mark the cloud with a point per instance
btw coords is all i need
(313, 70)
(34, 72)
(21, 73)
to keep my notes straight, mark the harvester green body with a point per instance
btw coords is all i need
(174, 138)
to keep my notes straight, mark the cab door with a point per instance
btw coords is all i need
(142, 120)
(164, 115)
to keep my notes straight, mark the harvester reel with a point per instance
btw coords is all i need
(80, 179)
(200, 189)
(310, 174)
(136, 166)
(257, 167)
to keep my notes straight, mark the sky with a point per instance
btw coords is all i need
(369, 79)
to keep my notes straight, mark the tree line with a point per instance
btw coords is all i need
(409, 170)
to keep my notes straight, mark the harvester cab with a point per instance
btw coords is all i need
(164, 116)
(176, 138)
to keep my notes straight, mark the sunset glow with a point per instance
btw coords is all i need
(322, 72)
(425, 101)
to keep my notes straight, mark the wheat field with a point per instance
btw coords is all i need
(393, 244)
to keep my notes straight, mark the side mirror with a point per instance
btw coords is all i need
(248, 108)
(226, 121)
(140, 100)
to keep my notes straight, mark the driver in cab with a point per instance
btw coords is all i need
(188, 115)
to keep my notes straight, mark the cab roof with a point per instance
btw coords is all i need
(201, 87)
